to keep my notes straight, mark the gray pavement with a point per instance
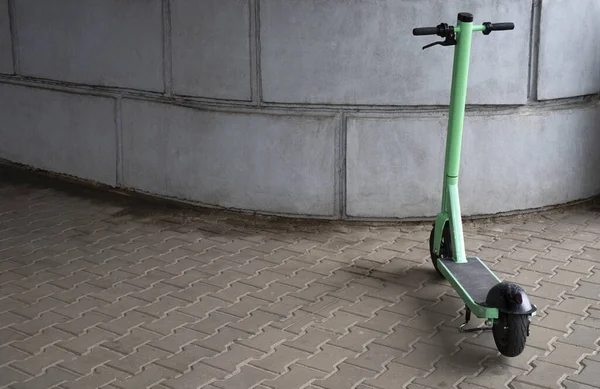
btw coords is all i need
(98, 291)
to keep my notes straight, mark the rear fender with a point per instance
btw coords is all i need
(509, 298)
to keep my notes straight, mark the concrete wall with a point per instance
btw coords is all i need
(302, 107)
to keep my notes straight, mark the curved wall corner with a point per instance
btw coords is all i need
(302, 107)
(512, 161)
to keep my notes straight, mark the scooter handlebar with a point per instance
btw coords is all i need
(489, 27)
(441, 30)
(425, 31)
(503, 26)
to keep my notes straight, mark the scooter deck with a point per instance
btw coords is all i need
(473, 276)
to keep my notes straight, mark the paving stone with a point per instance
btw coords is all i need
(579, 265)
(267, 339)
(494, 372)
(548, 290)
(255, 321)
(36, 343)
(311, 340)
(100, 377)
(155, 292)
(233, 357)
(284, 307)
(402, 338)
(149, 376)
(357, 339)
(134, 362)
(160, 307)
(86, 364)
(9, 354)
(409, 306)
(383, 321)
(587, 290)
(346, 376)
(203, 307)
(50, 378)
(187, 357)
(536, 244)
(234, 292)
(583, 336)
(169, 322)
(428, 319)
(219, 341)
(74, 294)
(199, 376)
(556, 320)
(564, 277)
(126, 323)
(34, 310)
(297, 376)
(423, 356)
(375, 358)
(394, 376)
(80, 325)
(174, 342)
(273, 292)
(574, 305)
(588, 375)
(128, 343)
(367, 306)
(451, 370)
(568, 384)
(544, 374)
(590, 254)
(248, 377)
(114, 293)
(81, 344)
(123, 305)
(32, 296)
(283, 356)
(566, 355)
(340, 322)
(507, 265)
(210, 324)
(576, 243)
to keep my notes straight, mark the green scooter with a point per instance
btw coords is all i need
(505, 306)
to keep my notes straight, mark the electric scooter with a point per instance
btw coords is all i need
(505, 307)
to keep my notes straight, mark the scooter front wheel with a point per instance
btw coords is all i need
(510, 333)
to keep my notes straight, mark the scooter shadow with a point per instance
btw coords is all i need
(437, 309)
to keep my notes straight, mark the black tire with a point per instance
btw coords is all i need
(445, 246)
(510, 333)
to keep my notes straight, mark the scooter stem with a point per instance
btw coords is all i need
(460, 37)
(458, 95)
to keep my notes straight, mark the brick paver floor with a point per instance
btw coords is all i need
(101, 292)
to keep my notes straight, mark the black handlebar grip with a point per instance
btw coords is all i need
(425, 31)
(503, 26)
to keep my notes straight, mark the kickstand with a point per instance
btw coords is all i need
(467, 319)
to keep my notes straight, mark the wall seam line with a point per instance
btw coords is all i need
(331, 110)
(256, 71)
(341, 168)
(119, 141)
(14, 37)
(534, 50)
(167, 49)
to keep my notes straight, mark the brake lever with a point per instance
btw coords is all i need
(449, 41)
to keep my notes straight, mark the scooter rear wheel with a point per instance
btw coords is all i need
(445, 246)
(510, 333)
